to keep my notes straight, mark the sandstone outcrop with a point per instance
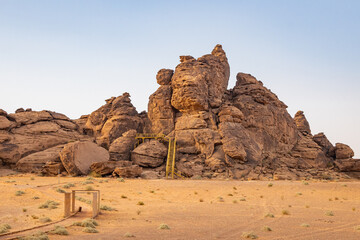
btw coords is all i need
(77, 157)
(120, 148)
(31, 138)
(108, 167)
(127, 172)
(111, 120)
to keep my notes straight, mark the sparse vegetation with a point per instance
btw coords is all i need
(107, 208)
(4, 228)
(34, 217)
(201, 200)
(230, 195)
(138, 212)
(242, 199)
(329, 213)
(90, 230)
(285, 212)
(59, 230)
(357, 228)
(140, 203)
(89, 222)
(89, 188)
(87, 182)
(121, 180)
(354, 209)
(164, 226)
(37, 236)
(45, 220)
(305, 183)
(32, 178)
(221, 199)
(305, 225)
(49, 204)
(69, 185)
(249, 235)
(129, 235)
(19, 193)
(234, 201)
(24, 210)
(59, 190)
(36, 197)
(267, 229)
(270, 185)
(123, 196)
(269, 215)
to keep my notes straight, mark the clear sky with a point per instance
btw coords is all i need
(70, 55)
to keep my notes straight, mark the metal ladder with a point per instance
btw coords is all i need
(170, 162)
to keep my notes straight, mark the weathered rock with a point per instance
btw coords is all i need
(5, 123)
(77, 157)
(81, 123)
(3, 112)
(149, 154)
(35, 162)
(111, 120)
(105, 168)
(160, 111)
(127, 172)
(30, 117)
(163, 76)
(301, 123)
(52, 168)
(323, 142)
(120, 148)
(198, 84)
(343, 151)
(19, 110)
(149, 175)
(348, 165)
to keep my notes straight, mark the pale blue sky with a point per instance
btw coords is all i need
(69, 56)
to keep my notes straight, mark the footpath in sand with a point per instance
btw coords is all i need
(193, 209)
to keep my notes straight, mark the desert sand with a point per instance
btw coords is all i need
(193, 209)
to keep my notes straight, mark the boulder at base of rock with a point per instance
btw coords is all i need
(77, 157)
(348, 165)
(127, 172)
(52, 168)
(105, 168)
(343, 151)
(149, 175)
(120, 149)
(149, 154)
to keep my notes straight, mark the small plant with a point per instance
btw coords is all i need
(32, 178)
(336, 198)
(49, 204)
(307, 206)
(269, 215)
(285, 212)
(19, 193)
(230, 195)
(87, 182)
(90, 178)
(261, 196)
(69, 185)
(221, 199)
(357, 228)
(36, 197)
(121, 180)
(107, 208)
(299, 194)
(270, 185)
(59, 190)
(77, 224)
(45, 220)
(305, 183)
(90, 230)
(305, 225)
(123, 196)
(249, 235)
(89, 222)
(242, 199)
(234, 188)
(34, 217)
(24, 210)
(344, 185)
(195, 193)
(234, 201)
(152, 191)
(37, 236)
(329, 213)
(140, 203)
(164, 226)
(330, 199)
(201, 200)
(89, 188)
(267, 229)
(59, 230)
(4, 228)
(129, 235)
(354, 209)
(138, 212)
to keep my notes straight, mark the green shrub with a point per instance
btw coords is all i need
(285, 212)
(270, 185)
(121, 180)
(329, 213)
(45, 220)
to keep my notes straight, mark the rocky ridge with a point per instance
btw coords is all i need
(243, 133)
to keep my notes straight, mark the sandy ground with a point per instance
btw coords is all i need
(193, 209)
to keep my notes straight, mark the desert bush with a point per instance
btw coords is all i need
(164, 226)
(357, 228)
(37, 236)
(89, 188)
(45, 220)
(121, 179)
(59, 230)
(59, 190)
(90, 230)
(34, 217)
(87, 182)
(234, 201)
(19, 193)
(270, 215)
(250, 235)
(69, 185)
(242, 199)
(305, 225)
(129, 235)
(49, 204)
(141, 203)
(329, 213)
(77, 224)
(305, 183)
(107, 208)
(4, 228)
(267, 229)
(24, 210)
(32, 178)
(35, 197)
(285, 212)
(89, 222)
(221, 199)
(270, 185)
(123, 196)
(201, 200)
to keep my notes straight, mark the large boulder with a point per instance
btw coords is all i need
(105, 168)
(342, 151)
(120, 149)
(77, 157)
(149, 154)
(323, 142)
(128, 171)
(348, 165)
(164, 76)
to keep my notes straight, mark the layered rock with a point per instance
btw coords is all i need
(32, 138)
(149, 154)
(111, 120)
(120, 149)
(77, 157)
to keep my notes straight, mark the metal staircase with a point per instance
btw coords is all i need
(170, 162)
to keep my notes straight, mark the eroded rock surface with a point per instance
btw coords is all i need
(149, 154)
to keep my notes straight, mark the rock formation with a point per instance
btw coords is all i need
(244, 132)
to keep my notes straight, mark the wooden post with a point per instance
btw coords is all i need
(67, 204)
(95, 206)
(73, 201)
